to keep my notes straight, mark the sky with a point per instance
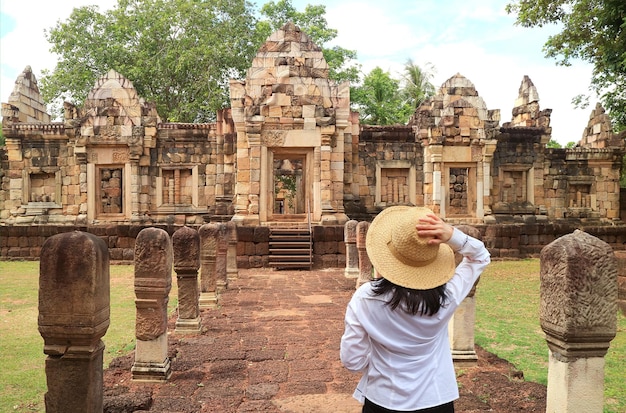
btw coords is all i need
(475, 38)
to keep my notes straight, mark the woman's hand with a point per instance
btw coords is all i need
(433, 227)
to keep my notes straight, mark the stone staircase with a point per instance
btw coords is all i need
(291, 246)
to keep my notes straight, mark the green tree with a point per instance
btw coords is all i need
(417, 83)
(380, 101)
(313, 22)
(553, 144)
(591, 30)
(178, 53)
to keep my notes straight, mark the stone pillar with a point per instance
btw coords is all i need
(221, 258)
(186, 247)
(578, 313)
(208, 277)
(621, 280)
(74, 314)
(461, 326)
(365, 265)
(231, 254)
(153, 282)
(352, 254)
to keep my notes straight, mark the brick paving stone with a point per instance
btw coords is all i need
(272, 345)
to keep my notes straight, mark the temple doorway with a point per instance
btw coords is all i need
(288, 194)
(289, 185)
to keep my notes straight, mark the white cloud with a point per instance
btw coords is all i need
(371, 30)
(26, 45)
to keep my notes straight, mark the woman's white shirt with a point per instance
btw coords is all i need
(405, 359)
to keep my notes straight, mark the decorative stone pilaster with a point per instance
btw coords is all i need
(153, 282)
(186, 247)
(578, 313)
(352, 254)
(365, 265)
(231, 254)
(621, 280)
(461, 326)
(208, 277)
(74, 314)
(221, 258)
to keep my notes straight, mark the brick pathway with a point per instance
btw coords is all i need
(272, 346)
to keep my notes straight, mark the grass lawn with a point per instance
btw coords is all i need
(23, 377)
(507, 324)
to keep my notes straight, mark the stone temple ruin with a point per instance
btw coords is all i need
(290, 152)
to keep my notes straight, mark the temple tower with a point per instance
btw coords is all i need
(290, 120)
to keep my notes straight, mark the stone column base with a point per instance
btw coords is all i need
(151, 372)
(221, 286)
(464, 358)
(232, 274)
(188, 325)
(208, 300)
(351, 273)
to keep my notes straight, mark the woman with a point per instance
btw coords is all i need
(396, 328)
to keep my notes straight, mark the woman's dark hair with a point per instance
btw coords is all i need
(422, 302)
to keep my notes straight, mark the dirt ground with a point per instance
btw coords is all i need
(273, 346)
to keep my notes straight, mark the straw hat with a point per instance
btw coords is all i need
(401, 256)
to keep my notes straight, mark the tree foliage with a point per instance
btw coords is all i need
(380, 100)
(593, 31)
(417, 83)
(555, 144)
(179, 54)
(314, 24)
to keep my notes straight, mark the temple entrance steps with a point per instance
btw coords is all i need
(290, 245)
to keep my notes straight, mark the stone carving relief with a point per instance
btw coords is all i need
(578, 292)
(273, 138)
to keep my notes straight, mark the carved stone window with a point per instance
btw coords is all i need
(513, 187)
(579, 195)
(178, 187)
(458, 191)
(110, 190)
(43, 187)
(395, 183)
(514, 191)
(395, 186)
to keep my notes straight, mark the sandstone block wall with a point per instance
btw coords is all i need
(508, 241)
(390, 151)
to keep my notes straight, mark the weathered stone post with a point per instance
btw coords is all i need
(153, 282)
(461, 326)
(208, 275)
(578, 313)
(352, 254)
(221, 258)
(231, 254)
(74, 314)
(365, 265)
(186, 246)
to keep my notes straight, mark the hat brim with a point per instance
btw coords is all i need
(437, 272)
